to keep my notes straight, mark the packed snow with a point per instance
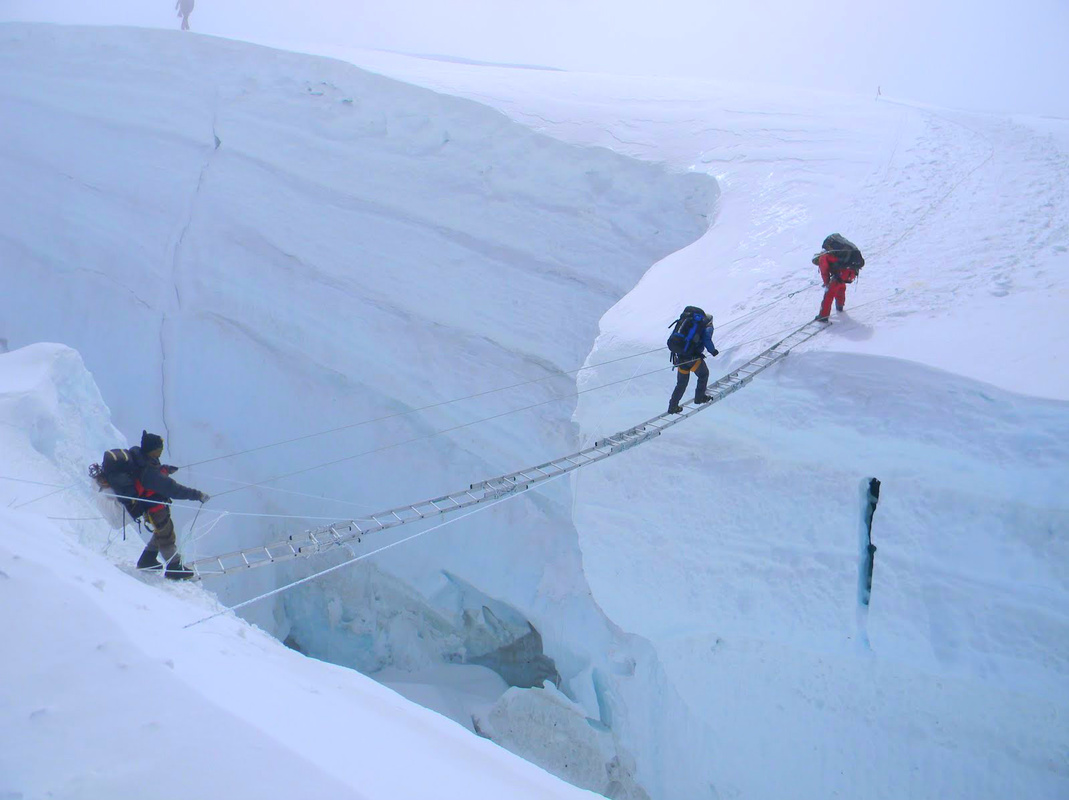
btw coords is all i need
(247, 245)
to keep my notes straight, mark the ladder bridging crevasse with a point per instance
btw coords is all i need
(339, 534)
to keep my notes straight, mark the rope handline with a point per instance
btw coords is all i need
(760, 338)
(245, 485)
(46, 496)
(363, 556)
(619, 394)
(256, 484)
(620, 442)
(58, 489)
(315, 541)
(35, 483)
(417, 409)
(472, 396)
(157, 502)
(211, 526)
(289, 491)
(208, 510)
(444, 430)
(727, 324)
(766, 306)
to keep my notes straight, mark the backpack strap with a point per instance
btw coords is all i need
(698, 319)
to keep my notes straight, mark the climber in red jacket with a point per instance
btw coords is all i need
(840, 262)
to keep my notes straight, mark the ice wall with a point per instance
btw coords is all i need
(110, 687)
(756, 579)
(248, 245)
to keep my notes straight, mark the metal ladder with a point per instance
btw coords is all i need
(340, 534)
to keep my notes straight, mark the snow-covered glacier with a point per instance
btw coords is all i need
(248, 245)
(732, 545)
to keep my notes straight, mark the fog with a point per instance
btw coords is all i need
(975, 54)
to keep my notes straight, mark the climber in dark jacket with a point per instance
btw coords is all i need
(693, 360)
(156, 488)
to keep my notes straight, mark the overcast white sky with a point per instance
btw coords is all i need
(980, 54)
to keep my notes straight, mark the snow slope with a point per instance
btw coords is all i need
(965, 215)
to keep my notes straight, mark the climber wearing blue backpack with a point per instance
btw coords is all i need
(692, 334)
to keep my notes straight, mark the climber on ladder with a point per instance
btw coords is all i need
(692, 334)
(142, 485)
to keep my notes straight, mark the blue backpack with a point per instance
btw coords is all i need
(685, 340)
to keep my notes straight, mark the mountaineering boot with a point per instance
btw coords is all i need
(148, 559)
(177, 571)
(701, 399)
(840, 306)
(821, 318)
(675, 409)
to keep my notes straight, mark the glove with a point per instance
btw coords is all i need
(204, 497)
(167, 468)
(714, 352)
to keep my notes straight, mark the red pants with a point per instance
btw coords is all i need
(836, 291)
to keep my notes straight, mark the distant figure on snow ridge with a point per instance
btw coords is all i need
(691, 334)
(185, 8)
(143, 486)
(840, 262)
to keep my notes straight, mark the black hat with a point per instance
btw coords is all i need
(150, 442)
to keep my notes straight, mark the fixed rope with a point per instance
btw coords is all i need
(329, 537)
(755, 311)
(759, 309)
(353, 560)
(752, 313)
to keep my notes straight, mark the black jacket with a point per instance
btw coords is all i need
(153, 478)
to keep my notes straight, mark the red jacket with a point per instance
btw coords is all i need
(829, 269)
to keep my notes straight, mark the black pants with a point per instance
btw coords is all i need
(683, 378)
